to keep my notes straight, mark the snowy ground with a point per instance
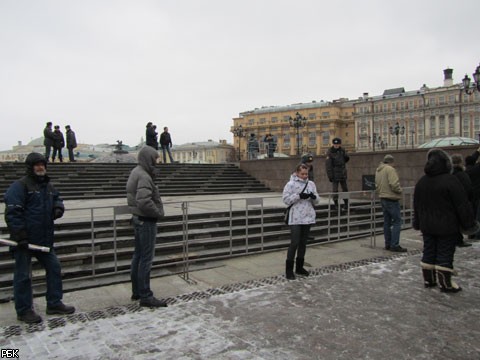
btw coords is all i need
(374, 311)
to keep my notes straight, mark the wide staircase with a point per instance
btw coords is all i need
(106, 180)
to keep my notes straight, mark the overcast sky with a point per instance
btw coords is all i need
(107, 67)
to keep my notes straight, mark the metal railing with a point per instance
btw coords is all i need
(338, 224)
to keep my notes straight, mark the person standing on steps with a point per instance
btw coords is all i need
(441, 211)
(146, 206)
(335, 164)
(166, 144)
(71, 143)
(48, 140)
(58, 144)
(32, 205)
(299, 194)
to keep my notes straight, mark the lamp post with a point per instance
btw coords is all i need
(467, 86)
(375, 139)
(397, 130)
(239, 132)
(297, 122)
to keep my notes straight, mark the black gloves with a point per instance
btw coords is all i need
(313, 196)
(304, 196)
(57, 213)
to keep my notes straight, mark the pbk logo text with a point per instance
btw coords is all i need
(9, 354)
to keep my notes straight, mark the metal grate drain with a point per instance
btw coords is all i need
(15, 330)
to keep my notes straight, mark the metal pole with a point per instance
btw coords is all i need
(92, 234)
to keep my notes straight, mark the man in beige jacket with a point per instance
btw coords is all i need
(389, 190)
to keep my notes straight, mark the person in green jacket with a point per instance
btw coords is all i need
(389, 191)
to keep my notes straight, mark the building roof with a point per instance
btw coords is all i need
(448, 141)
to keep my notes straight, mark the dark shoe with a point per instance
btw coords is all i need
(387, 247)
(299, 269)
(289, 270)
(464, 244)
(60, 309)
(311, 238)
(134, 297)
(152, 302)
(30, 317)
(398, 249)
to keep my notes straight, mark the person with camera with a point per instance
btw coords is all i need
(32, 205)
(300, 195)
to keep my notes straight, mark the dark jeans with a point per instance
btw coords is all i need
(22, 280)
(298, 241)
(71, 155)
(166, 149)
(439, 250)
(145, 236)
(60, 156)
(48, 149)
(344, 186)
(392, 222)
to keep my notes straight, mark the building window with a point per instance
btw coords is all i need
(441, 125)
(251, 122)
(286, 118)
(312, 116)
(326, 138)
(262, 121)
(325, 114)
(286, 140)
(451, 124)
(274, 119)
(433, 126)
(312, 139)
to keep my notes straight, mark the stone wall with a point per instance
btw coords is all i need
(409, 163)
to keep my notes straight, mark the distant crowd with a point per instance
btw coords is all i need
(54, 140)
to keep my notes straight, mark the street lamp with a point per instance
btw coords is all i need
(476, 85)
(397, 130)
(297, 122)
(412, 132)
(375, 139)
(239, 132)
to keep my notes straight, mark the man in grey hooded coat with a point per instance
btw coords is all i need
(146, 207)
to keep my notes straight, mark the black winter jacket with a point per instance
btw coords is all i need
(441, 205)
(335, 164)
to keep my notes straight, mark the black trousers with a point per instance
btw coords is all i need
(439, 249)
(343, 184)
(298, 241)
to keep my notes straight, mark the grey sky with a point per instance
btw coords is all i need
(107, 67)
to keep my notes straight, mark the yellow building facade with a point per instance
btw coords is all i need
(324, 121)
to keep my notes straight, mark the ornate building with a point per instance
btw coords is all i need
(322, 122)
(203, 152)
(400, 119)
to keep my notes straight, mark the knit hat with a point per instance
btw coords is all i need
(388, 159)
(457, 159)
(307, 158)
(337, 141)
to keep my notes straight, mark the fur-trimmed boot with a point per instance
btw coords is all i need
(444, 275)
(429, 275)
(299, 269)
(289, 270)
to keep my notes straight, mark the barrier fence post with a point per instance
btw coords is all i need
(185, 275)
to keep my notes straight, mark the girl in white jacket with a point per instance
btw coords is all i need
(300, 194)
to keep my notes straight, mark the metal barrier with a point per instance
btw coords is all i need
(359, 201)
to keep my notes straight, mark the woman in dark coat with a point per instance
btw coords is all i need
(441, 211)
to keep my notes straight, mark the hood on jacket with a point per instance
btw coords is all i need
(32, 159)
(382, 166)
(438, 162)
(147, 159)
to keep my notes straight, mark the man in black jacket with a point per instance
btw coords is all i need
(71, 143)
(48, 139)
(58, 143)
(31, 206)
(166, 144)
(441, 211)
(335, 164)
(151, 136)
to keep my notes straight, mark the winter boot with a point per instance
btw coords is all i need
(429, 275)
(289, 270)
(444, 275)
(299, 269)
